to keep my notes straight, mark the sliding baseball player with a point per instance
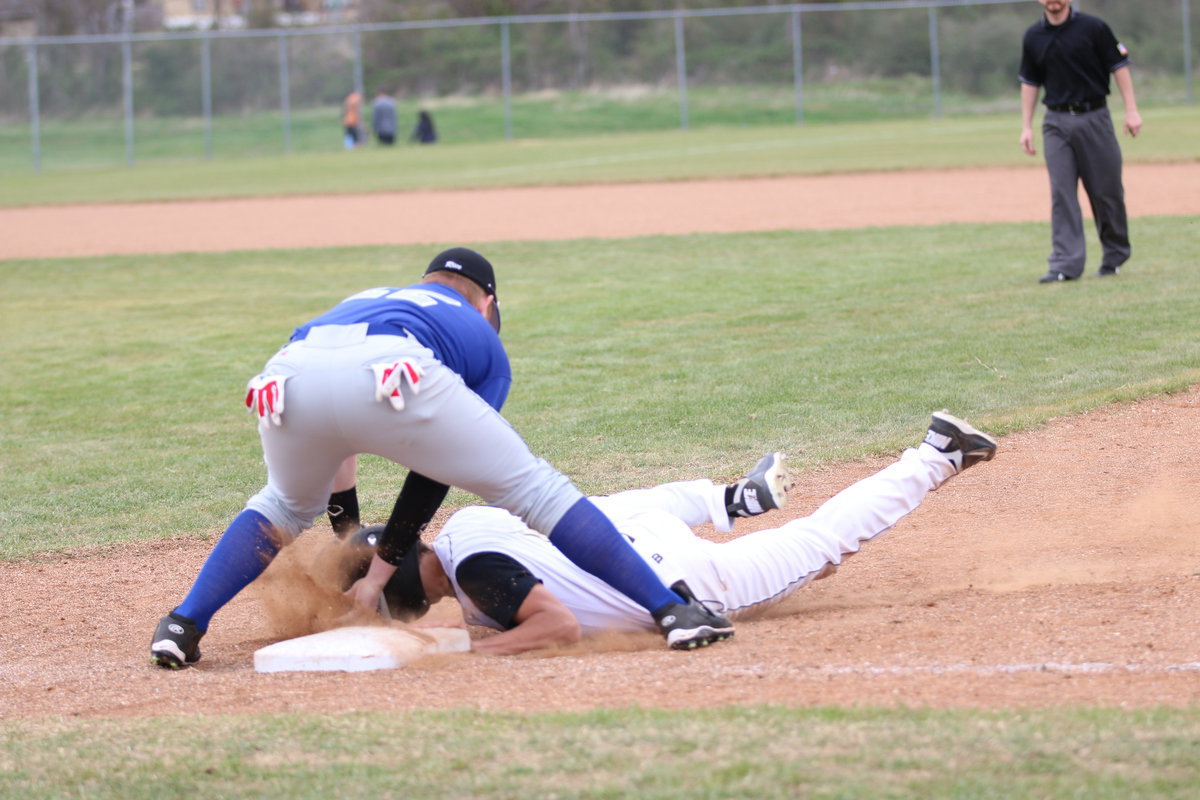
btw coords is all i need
(510, 578)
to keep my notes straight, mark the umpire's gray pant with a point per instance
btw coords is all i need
(1084, 147)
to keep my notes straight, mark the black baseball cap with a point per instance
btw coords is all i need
(469, 264)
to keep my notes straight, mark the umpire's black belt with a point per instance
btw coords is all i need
(1080, 108)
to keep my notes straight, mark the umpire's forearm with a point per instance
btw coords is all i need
(1029, 97)
(1124, 81)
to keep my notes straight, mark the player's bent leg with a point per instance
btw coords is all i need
(239, 557)
(764, 488)
(697, 502)
(300, 475)
(299, 479)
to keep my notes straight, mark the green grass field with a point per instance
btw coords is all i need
(122, 420)
(831, 345)
(714, 151)
(820, 754)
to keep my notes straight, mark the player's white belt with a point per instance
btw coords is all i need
(336, 335)
(329, 336)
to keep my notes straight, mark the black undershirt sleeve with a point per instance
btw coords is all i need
(496, 584)
(419, 500)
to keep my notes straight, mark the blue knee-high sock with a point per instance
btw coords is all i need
(589, 539)
(240, 556)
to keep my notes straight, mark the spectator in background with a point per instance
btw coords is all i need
(424, 132)
(352, 119)
(383, 118)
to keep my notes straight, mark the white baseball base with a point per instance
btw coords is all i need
(358, 649)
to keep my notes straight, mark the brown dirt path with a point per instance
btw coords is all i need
(1064, 572)
(569, 212)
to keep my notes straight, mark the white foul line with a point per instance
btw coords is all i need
(1085, 668)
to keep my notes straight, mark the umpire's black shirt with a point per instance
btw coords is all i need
(1072, 61)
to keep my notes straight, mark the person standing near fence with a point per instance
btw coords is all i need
(423, 132)
(352, 119)
(383, 118)
(1071, 55)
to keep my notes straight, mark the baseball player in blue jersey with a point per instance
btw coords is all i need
(416, 375)
(508, 578)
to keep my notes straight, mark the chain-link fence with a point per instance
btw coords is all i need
(107, 99)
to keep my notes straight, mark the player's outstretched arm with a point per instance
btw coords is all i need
(542, 621)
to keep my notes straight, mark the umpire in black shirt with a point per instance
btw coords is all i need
(1071, 55)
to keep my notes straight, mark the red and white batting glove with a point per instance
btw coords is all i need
(264, 396)
(389, 377)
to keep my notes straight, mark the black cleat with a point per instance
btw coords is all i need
(176, 642)
(962, 444)
(763, 489)
(690, 624)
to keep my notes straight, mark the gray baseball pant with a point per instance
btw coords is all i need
(445, 432)
(1083, 147)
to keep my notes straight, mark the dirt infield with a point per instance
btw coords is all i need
(569, 212)
(1064, 572)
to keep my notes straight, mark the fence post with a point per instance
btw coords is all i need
(935, 61)
(35, 108)
(285, 94)
(358, 61)
(798, 66)
(1187, 48)
(506, 78)
(206, 92)
(681, 71)
(127, 84)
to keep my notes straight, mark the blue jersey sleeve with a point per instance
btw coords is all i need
(439, 318)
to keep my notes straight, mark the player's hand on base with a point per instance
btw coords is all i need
(357, 615)
(365, 595)
(367, 590)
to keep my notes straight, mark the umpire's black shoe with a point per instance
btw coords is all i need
(690, 624)
(962, 444)
(176, 642)
(763, 489)
(1054, 277)
(1105, 272)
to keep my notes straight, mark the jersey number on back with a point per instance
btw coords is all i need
(421, 297)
